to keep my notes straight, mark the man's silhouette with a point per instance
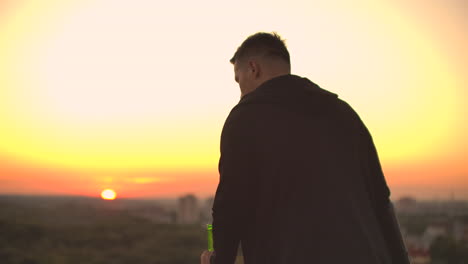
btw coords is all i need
(300, 179)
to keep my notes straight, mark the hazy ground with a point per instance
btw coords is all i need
(63, 230)
(85, 230)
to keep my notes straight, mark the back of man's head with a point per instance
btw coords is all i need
(267, 45)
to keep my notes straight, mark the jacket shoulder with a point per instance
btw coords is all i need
(241, 114)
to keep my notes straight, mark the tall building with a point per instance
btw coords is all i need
(188, 211)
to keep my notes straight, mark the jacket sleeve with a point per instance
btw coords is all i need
(380, 199)
(233, 199)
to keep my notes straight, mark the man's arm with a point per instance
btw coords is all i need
(391, 231)
(233, 200)
(383, 208)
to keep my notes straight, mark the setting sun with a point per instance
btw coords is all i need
(108, 194)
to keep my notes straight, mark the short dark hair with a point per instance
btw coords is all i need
(262, 43)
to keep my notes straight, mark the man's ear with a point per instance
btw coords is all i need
(254, 68)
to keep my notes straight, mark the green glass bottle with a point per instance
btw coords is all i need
(209, 228)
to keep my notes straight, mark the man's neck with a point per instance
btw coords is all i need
(265, 79)
(271, 76)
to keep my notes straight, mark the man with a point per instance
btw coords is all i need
(300, 179)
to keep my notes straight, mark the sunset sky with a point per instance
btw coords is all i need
(132, 95)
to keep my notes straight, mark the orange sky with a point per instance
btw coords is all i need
(133, 95)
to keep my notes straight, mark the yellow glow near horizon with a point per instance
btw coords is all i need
(113, 84)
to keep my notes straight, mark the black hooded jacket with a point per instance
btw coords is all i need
(301, 182)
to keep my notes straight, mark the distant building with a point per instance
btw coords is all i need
(188, 211)
(406, 205)
(407, 200)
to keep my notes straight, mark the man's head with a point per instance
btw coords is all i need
(260, 58)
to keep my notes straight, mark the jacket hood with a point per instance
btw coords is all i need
(290, 91)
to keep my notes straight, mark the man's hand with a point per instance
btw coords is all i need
(205, 257)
